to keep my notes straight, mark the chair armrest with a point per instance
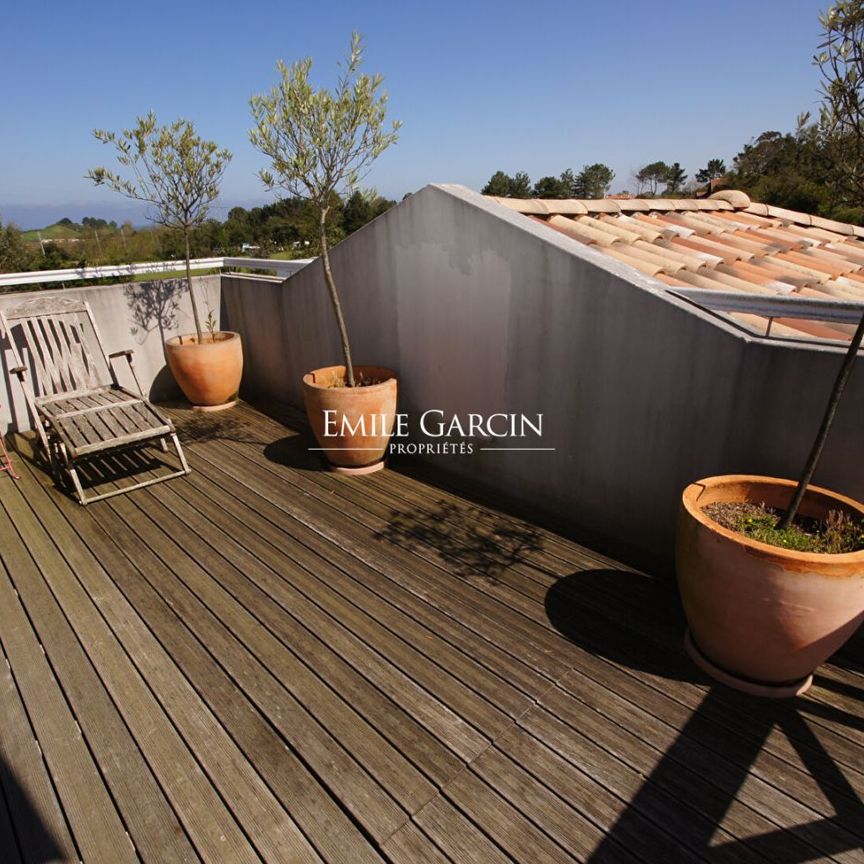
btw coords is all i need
(126, 352)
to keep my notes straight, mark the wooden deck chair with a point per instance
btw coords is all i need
(77, 403)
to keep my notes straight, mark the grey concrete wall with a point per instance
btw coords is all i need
(138, 315)
(482, 310)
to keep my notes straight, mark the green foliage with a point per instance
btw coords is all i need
(841, 120)
(499, 185)
(649, 177)
(593, 181)
(713, 170)
(504, 186)
(675, 179)
(839, 533)
(170, 168)
(552, 187)
(13, 251)
(363, 207)
(320, 142)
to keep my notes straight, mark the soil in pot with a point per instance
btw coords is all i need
(839, 532)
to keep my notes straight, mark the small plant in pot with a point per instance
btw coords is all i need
(771, 572)
(320, 142)
(178, 174)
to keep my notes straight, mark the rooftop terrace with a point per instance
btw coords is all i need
(265, 661)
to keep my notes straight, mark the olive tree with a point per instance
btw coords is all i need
(172, 169)
(321, 142)
(841, 62)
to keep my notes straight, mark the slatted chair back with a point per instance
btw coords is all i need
(63, 343)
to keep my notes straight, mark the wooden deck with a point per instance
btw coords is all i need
(267, 662)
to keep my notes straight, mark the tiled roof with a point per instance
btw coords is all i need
(724, 242)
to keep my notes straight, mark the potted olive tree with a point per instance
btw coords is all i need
(320, 143)
(178, 174)
(771, 572)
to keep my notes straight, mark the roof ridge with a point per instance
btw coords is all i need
(729, 200)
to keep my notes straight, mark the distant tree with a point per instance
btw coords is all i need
(499, 185)
(651, 176)
(521, 187)
(502, 185)
(551, 187)
(569, 183)
(675, 179)
(14, 256)
(593, 181)
(172, 169)
(714, 169)
(362, 207)
(841, 121)
(787, 170)
(65, 221)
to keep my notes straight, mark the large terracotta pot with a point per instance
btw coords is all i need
(369, 411)
(208, 372)
(762, 618)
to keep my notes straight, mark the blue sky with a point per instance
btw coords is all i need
(535, 86)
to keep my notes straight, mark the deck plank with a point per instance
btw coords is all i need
(30, 798)
(152, 823)
(405, 782)
(161, 710)
(74, 773)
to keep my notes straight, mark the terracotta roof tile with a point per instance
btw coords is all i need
(725, 242)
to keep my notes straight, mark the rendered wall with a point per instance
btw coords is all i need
(482, 310)
(138, 315)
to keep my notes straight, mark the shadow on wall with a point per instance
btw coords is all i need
(23, 834)
(154, 307)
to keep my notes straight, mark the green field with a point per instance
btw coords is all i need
(53, 232)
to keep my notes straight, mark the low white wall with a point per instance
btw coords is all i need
(482, 310)
(138, 315)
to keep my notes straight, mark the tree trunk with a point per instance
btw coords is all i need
(825, 428)
(195, 314)
(334, 297)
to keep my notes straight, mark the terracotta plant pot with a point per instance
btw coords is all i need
(762, 618)
(369, 411)
(208, 372)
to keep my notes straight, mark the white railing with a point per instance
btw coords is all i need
(154, 268)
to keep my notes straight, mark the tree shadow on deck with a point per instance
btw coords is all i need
(475, 543)
(23, 834)
(195, 427)
(715, 749)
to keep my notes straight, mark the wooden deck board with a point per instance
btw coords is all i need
(264, 661)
